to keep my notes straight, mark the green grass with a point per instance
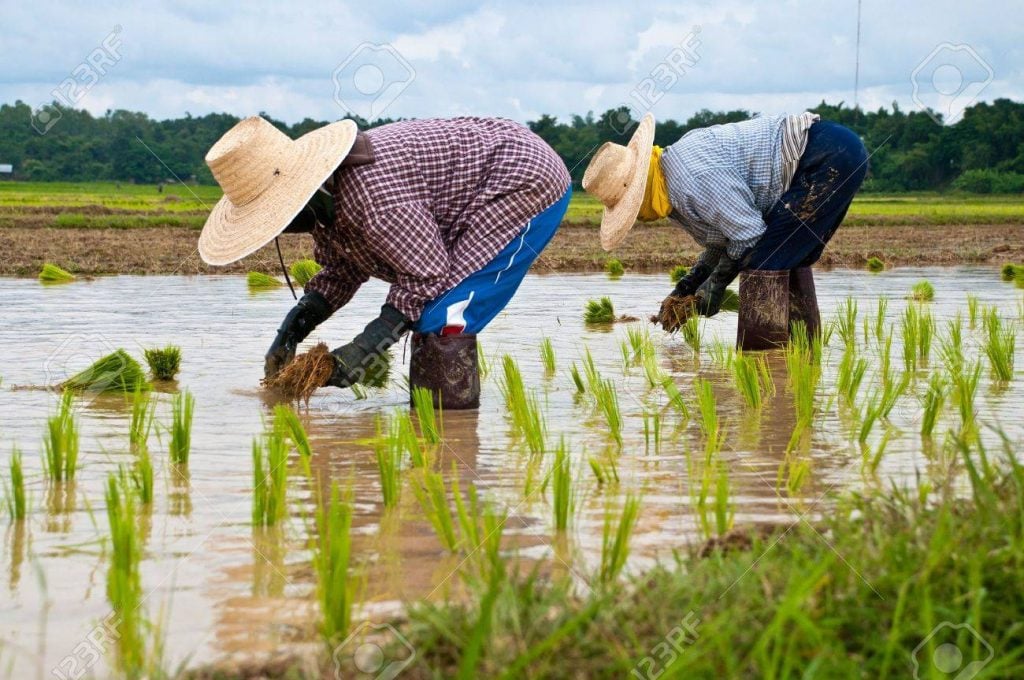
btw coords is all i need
(14, 490)
(51, 273)
(183, 406)
(332, 557)
(614, 268)
(599, 311)
(678, 272)
(124, 580)
(261, 281)
(922, 291)
(61, 442)
(615, 537)
(164, 363)
(303, 270)
(270, 479)
(115, 372)
(875, 265)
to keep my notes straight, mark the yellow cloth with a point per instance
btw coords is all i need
(656, 204)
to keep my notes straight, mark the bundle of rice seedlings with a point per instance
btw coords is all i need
(51, 273)
(378, 372)
(599, 311)
(164, 363)
(614, 268)
(875, 264)
(678, 272)
(674, 312)
(304, 375)
(922, 291)
(261, 281)
(1008, 271)
(116, 372)
(303, 270)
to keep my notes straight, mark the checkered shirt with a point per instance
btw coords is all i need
(441, 200)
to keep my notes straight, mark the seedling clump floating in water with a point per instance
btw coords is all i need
(51, 273)
(678, 272)
(599, 311)
(164, 363)
(875, 265)
(303, 270)
(614, 268)
(261, 281)
(922, 291)
(116, 372)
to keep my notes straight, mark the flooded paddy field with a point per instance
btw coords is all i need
(224, 592)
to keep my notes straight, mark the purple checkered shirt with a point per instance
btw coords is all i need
(440, 200)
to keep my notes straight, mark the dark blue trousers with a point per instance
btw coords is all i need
(805, 217)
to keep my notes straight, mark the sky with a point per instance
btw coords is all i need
(517, 60)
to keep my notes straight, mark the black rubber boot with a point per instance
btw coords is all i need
(447, 366)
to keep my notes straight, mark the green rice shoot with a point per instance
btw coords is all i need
(678, 272)
(51, 273)
(124, 580)
(388, 450)
(1008, 271)
(562, 491)
(183, 406)
(932, 402)
(615, 538)
(1000, 343)
(874, 264)
(599, 311)
(547, 356)
(14, 490)
(303, 270)
(270, 479)
(165, 363)
(429, 419)
(260, 281)
(433, 498)
(61, 442)
(922, 291)
(142, 416)
(288, 424)
(332, 556)
(115, 372)
(614, 268)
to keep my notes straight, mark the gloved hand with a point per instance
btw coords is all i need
(698, 274)
(311, 310)
(712, 291)
(352, 360)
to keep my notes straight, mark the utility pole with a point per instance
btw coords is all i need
(856, 67)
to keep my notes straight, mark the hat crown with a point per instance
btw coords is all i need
(608, 175)
(248, 158)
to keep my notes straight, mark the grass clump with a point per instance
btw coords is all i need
(116, 372)
(183, 406)
(875, 265)
(599, 311)
(922, 291)
(614, 268)
(1008, 271)
(270, 479)
(331, 561)
(164, 363)
(678, 272)
(61, 442)
(303, 270)
(51, 273)
(14, 491)
(261, 281)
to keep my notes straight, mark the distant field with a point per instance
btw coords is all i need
(107, 204)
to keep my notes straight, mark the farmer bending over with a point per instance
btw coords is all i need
(764, 194)
(452, 213)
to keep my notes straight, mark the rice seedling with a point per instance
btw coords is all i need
(124, 581)
(607, 398)
(752, 378)
(872, 459)
(429, 419)
(797, 471)
(61, 442)
(1000, 344)
(590, 368)
(932, 401)
(965, 387)
(577, 379)
(652, 371)
(261, 281)
(116, 372)
(675, 397)
(51, 273)
(678, 272)
(891, 391)
(641, 344)
(183, 405)
(605, 470)
(709, 424)
(331, 561)
(562, 492)
(847, 322)
(303, 270)
(652, 428)
(164, 363)
(691, 331)
(614, 268)
(972, 310)
(483, 364)
(951, 346)
(851, 374)
(880, 313)
(14, 491)
(1008, 271)
(141, 475)
(804, 372)
(547, 356)
(722, 355)
(599, 311)
(615, 539)
(287, 423)
(141, 423)
(270, 479)
(875, 265)
(433, 498)
(922, 291)
(388, 451)
(402, 429)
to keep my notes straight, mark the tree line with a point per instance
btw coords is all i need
(983, 152)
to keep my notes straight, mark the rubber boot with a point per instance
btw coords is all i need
(803, 302)
(447, 366)
(764, 310)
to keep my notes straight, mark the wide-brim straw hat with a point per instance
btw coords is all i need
(617, 176)
(267, 179)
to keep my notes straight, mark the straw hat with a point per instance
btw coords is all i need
(617, 176)
(267, 179)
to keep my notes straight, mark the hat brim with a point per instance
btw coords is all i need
(232, 232)
(619, 219)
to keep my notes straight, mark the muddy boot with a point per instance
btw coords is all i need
(447, 366)
(803, 302)
(764, 310)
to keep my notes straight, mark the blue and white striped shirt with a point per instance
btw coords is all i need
(723, 179)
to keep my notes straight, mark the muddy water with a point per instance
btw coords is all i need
(227, 592)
